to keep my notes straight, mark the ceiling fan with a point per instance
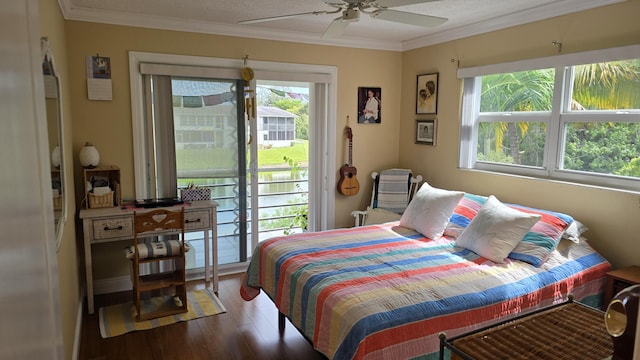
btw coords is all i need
(351, 9)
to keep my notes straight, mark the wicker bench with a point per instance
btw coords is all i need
(566, 331)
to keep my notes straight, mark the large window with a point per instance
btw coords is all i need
(198, 117)
(573, 120)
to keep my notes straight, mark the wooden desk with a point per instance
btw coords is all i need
(105, 225)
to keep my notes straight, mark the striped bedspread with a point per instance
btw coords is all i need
(386, 292)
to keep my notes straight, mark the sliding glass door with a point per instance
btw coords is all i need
(197, 138)
(211, 152)
(271, 171)
(282, 153)
(200, 141)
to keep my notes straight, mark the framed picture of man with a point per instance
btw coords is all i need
(427, 94)
(369, 105)
(426, 132)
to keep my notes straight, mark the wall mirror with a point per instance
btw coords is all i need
(56, 136)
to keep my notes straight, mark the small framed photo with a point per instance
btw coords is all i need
(427, 94)
(369, 105)
(426, 132)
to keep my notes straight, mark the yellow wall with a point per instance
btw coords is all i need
(107, 124)
(612, 216)
(52, 25)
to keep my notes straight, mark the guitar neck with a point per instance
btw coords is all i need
(350, 152)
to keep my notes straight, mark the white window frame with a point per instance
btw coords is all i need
(556, 119)
(325, 151)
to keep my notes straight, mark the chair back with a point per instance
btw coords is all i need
(145, 249)
(160, 220)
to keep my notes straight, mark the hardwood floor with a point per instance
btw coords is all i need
(248, 330)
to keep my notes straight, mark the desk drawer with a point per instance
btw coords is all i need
(114, 227)
(194, 220)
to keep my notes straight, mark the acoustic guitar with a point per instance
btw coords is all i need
(348, 184)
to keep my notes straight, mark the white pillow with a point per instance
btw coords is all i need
(429, 211)
(574, 231)
(496, 230)
(379, 216)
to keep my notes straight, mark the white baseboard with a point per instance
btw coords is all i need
(111, 285)
(78, 334)
(76, 338)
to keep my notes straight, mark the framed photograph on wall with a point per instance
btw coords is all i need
(427, 94)
(369, 105)
(426, 132)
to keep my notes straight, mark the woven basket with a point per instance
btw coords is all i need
(100, 201)
(57, 202)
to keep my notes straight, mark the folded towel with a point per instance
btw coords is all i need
(393, 190)
(156, 249)
(101, 190)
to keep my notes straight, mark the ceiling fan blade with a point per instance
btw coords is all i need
(336, 29)
(408, 18)
(394, 3)
(335, 3)
(282, 17)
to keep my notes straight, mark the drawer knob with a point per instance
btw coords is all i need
(192, 221)
(106, 228)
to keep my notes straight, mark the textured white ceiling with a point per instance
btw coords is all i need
(466, 18)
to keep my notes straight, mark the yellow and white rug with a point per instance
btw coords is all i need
(120, 319)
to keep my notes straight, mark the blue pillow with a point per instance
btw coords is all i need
(543, 238)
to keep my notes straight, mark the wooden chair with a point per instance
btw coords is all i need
(164, 291)
(392, 191)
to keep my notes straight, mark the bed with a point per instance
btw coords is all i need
(386, 291)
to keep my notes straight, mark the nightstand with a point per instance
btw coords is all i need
(617, 280)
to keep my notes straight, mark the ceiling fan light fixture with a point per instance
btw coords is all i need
(351, 15)
(350, 12)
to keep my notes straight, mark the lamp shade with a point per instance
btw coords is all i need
(89, 156)
(55, 157)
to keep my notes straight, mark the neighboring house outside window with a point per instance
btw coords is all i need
(198, 125)
(276, 127)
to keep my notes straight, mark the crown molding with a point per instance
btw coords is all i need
(175, 24)
(550, 10)
(543, 12)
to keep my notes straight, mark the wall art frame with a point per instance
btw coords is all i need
(427, 94)
(426, 131)
(369, 105)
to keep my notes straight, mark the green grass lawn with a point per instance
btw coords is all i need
(194, 159)
(274, 156)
